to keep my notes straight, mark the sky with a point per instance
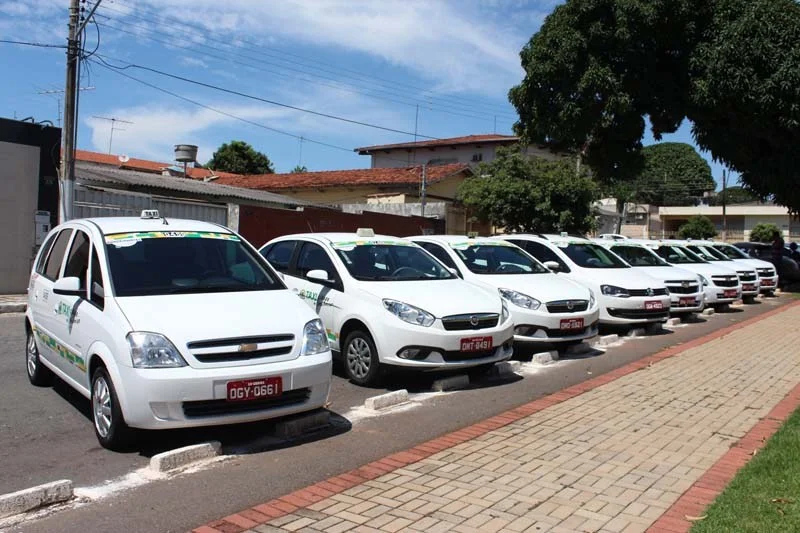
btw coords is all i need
(391, 68)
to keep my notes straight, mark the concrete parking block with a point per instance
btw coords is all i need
(608, 340)
(505, 368)
(305, 423)
(708, 312)
(451, 383)
(654, 328)
(577, 349)
(637, 332)
(544, 358)
(672, 322)
(181, 457)
(35, 497)
(376, 403)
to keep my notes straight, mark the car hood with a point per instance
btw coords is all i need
(438, 297)
(543, 287)
(627, 278)
(753, 263)
(191, 317)
(668, 273)
(709, 269)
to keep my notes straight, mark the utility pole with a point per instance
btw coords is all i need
(724, 202)
(113, 121)
(70, 94)
(416, 123)
(424, 187)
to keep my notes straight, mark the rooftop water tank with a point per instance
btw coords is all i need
(185, 153)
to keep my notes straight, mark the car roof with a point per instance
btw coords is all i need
(455, 238)
(112, 225)
(545, 238)
(608, 243)
(332, 237)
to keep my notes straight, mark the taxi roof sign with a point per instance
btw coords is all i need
(365, 232)
(150, 213)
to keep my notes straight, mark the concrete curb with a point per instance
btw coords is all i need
(376, 403)
(544, 358)
(26, 500)
(672, 322)
(451, 383)
(608, 340)
(13, 308)
(708, 312)
(173, 459)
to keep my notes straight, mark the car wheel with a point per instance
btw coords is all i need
(480, 371)
(109, 424)
(748, 299)
(361, 363)
(38, 374)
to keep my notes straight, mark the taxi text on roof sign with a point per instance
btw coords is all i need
(122, 239)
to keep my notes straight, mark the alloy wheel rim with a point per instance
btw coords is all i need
(359, 358)
(101, 405)
(32, 356)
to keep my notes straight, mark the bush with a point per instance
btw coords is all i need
(764, 232)
(698, 227)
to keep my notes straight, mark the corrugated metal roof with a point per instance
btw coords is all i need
(93, 173)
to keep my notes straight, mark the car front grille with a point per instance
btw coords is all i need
(678, 287)
(567, 306)
(467, 321)
(241, 348)
(209, 408)
(747, 276)
(241, 356)
(725, 281)
(646, 292)
(634, 314)
(766, 272)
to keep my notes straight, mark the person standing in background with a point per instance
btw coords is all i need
(777, 254)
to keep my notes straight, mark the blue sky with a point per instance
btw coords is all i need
(367, 60)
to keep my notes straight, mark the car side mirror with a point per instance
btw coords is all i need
(319, 275)
(70, 286)
(454, 272)
(552, 265)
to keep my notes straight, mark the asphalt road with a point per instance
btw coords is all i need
(45, 434)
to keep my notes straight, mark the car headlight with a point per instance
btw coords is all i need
(703, 281)
(152, 350)
(409, 313)
(613, 290)
(520, 300)
(505, 314)
(315, 340)
(592, 299)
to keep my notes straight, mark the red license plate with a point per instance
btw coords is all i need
(730, 293)
(748, 287)
(254, 389)
(649, 306)
(767, 282)
(686, 301)
(476, 344)
(572, 323)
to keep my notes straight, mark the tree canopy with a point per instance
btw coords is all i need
(764, 232)
(597, 68)
(673, 174)
(534, 195)
(697, 227)
(240, 158)
(734, 195)
(298, 169)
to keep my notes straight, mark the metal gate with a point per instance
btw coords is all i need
(99, 202)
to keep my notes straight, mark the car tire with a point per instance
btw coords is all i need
(748, 299)
(38, 374)
(480, 371)
(360, 358)
(109, 425)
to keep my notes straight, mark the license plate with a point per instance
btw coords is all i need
(476, 344)
(649, 306)
(572, 323)
(767, 282)
(730, 293)
(748, 287)
(254, 389)
(686, 301)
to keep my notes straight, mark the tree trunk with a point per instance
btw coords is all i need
(620, 215)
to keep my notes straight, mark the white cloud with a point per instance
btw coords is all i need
(193, 62)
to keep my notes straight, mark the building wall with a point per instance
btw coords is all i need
(19, 191)
(446, 154)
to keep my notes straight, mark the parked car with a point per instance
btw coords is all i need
(386, 302)
(612, 236)
(767, 275)
(166, 323)
(685, 287)
(721, 284)
(545, 307)
(789, 269)
(747, 273)
(626, 296)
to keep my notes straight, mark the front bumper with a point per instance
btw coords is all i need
(768, 284)
(545, 327)
(633, 310)
(686, 303)
(189, 397)
(716, 295)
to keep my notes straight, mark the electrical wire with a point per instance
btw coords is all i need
(28, 43)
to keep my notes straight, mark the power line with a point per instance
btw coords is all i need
(28, 43)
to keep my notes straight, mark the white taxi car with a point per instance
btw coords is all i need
(386, 302)
(626, 296)
(546, 307)
(767, 276)
(166, 323)
(685, 287)
(720, 284)
(746, 272)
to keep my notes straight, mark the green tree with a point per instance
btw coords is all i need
(764, 232)
(673, 174)
(697, 227)
(597, 68)
(298, 170)
(535, 195)
(734, 195)
(240, 158)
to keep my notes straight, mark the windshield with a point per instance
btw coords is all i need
(497, 259)
(376, 261)
(677, 255)
(639, 256)
(592, 256)
(179, 262)
(709, 253)
(731, 252)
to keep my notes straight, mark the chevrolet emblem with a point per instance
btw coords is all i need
(248, 347)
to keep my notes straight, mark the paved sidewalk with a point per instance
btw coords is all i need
(612, 454)
(13, 303)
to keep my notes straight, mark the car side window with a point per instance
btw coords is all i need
(45, 250)
(541, 252)
(279, 255)
(96, 287)
(78, 258)
(53, 265)
(314, 257)
(439, 253)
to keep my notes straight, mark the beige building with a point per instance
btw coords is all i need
(741, 219)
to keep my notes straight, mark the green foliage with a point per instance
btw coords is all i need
(240, 158)
(298, 170)
(673, 174)
(697, 227)
(734, 195)
(764, 232)
(596, 68)
(534, 195)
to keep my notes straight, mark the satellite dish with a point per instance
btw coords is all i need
(124, 159)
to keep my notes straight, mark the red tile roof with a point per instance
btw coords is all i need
(337, 178)
(453, 141)
(143, 165)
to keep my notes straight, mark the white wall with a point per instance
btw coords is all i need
(19, 189)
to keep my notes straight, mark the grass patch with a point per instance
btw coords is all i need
(765, 494)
